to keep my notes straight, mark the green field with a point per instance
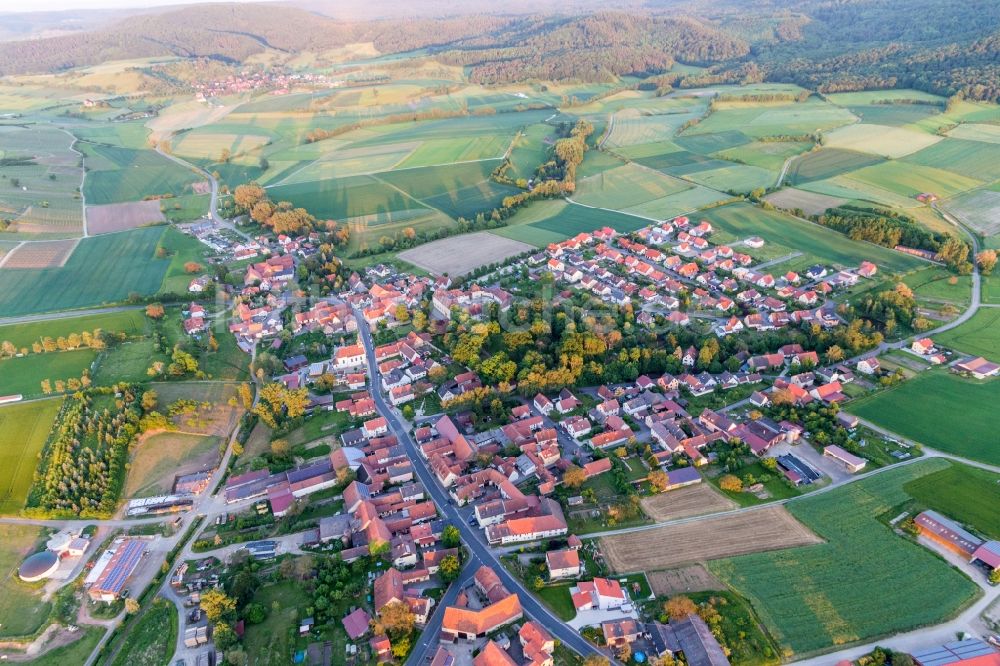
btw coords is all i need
(530, 150)
(880, 139)
(967, 494)
(977, 132)
(76, 652)
(458, 149)
(627, 186)
(344, 197)
(116, 174)
(182, 249)
(102, 269)
(939, 409)
(980, 336)
(352, 162)
(974, 159)
(864, 582)
(151, 639)
(706, 144)
(826, 163)
(979, 209)
(631, 129)
(132, 322)
(772, 119)
(894, 115)
(22, 612)
(24, 375)
(909, 180)
(742, 220)
(552, 221)
(765, 154)
(23, 431)
(738, 178)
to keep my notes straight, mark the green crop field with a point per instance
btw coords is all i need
(979, 209)
(980, 336)
(939, 409)
(102, 269)
(967, 494)
(826, 163)
(24, 375)
(706, 144)
(530, 150)
(459, 149)
(116, 174)
(880, 139)
(555, 220)
(864, 582)
(975, 159)
(22, 611)
(627, 186)
(688, 201)
(909, 180)
(631, 129)
(848, 188)
(757, 120)
(977, 132)
(21, 336)
(23, 430)
(894, 115)
(351, 162)
(765, 154)
(742, 220)
(344, 197)
(879, 96)
(738, 178)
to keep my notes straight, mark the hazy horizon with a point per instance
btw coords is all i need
(11, 7)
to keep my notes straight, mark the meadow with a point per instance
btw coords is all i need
(116, 174)
(157, 459)
(826, 163)
(24, 375)
(23, 431)
(23, 335)
(150, 637)
(863, 583)
(103, 269)
(959, 419)
(966, 494)
(742, 220)
(980, 336)
(22, 611)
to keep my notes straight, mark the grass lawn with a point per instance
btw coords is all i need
(320, 424)
(748, 642)
(270, 641)
(151, 640)
(182, 249)
(980, 336)
(968, 494)
(22, 612)
(156, 460)
(23, 431)
(126, 363)
(817, 597)
(76, 652)
(25, 375)
(941, 410)
(558, 599)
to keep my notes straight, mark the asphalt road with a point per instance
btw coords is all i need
(472, 537)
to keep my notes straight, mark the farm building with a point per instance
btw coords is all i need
(852, 462)
(978, 367)
(38, 567)
(109, 581)
(947, 532)
(970, 652)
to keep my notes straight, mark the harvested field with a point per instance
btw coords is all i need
(812, 203)
(121, 216)
(691, 501)
(159, 458)
(459, 255)
(772, 528)
(43, 254)
(693, 578)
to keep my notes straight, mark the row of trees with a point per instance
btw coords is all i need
(97, 339)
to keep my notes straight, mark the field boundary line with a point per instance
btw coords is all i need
(4, 258)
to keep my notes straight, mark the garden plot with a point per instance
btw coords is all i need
(119, 217)
(683, 580)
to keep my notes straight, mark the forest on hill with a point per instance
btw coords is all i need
(941, 46)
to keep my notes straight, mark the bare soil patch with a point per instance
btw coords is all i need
(463, 254)
(684, 502)
(771, 528)
(122, 216)
(41, 254)
(692, 578)
(203, 187)
(811, 202)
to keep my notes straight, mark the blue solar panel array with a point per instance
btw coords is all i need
(125, 560)
(952, 652)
